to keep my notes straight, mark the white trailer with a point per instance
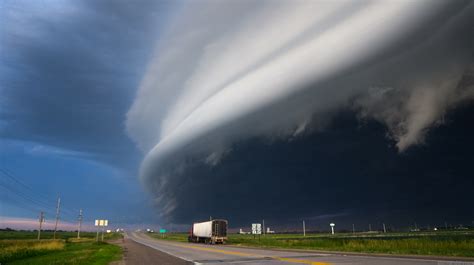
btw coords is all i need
(210, 232)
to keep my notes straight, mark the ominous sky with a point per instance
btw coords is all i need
(162, 112)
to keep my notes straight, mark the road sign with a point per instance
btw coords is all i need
(256, 229)
(162, 231)
(101, 223)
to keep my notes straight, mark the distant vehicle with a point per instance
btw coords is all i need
(210, 232)
(242, 232)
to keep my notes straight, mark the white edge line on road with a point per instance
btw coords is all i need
(164, 251)
(421, 259)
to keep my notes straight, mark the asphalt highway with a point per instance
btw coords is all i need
(222, 254)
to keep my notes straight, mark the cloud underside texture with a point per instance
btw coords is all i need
(233, 71)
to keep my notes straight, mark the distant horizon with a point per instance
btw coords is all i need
(26, 224)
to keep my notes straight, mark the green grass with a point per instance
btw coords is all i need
(460, 244)
(180, 237)
(75, 253)
(19, 248)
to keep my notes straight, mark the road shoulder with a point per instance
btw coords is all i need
(135, 253)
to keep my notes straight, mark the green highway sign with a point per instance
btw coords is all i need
(162, 231)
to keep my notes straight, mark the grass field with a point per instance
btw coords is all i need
(21, 247)
(460, 244)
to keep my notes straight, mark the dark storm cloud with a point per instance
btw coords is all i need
(69, 70)
(219, 80)
(348, 173)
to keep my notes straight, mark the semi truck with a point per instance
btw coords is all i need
(209, 232)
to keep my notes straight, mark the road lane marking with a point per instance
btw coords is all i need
(303, 261)
(221, 251)
(236, 253)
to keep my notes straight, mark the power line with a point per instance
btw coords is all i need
(25, 197)
(21, 183)
(30, 200)
(29, 196)
(16, 189)
(23, 205)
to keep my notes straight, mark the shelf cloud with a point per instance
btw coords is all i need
(225, 72)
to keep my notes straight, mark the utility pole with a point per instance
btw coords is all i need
(80, 224)
(304, 229)
(41, 220)
(384, 230)
(353, 229)
(57, 217)
(446, 225)
(370, 227)
(263, 225)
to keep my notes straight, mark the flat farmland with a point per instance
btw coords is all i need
(22, 247)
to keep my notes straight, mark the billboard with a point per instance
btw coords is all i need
(101, 223)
